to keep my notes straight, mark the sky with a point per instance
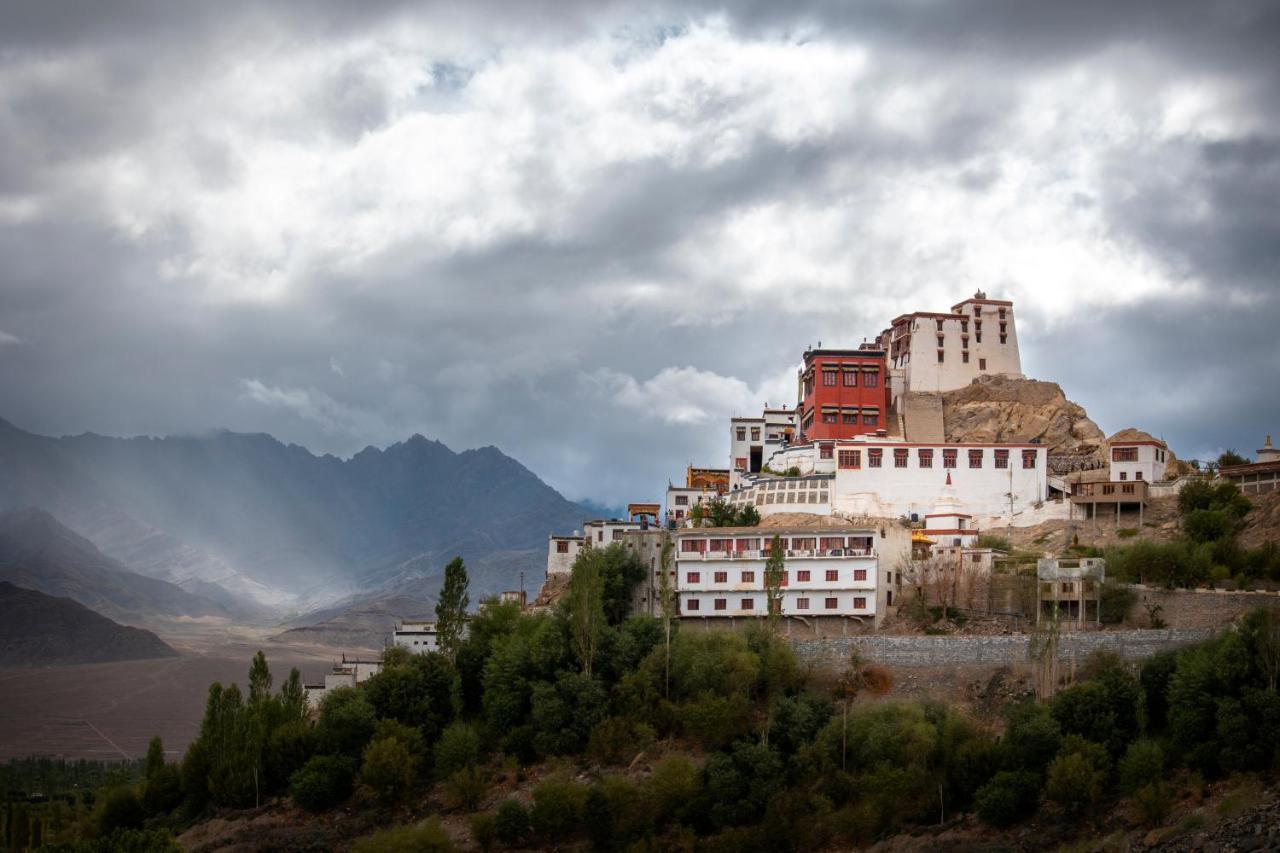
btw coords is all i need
(590, 232)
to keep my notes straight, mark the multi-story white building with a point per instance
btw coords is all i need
(882, 477)
(753, 440)
(682, 499)
(604, 532)
(561, 552)
(830, 571)
(1141, 459)
(939, 352)
(416, 636)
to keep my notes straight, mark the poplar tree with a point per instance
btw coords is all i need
(451, 609)
(667, 599)
(775, 571)
(584, 601)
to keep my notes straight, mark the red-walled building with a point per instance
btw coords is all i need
(843, 393)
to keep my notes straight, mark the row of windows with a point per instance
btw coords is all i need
(741, 433)
(831, 378)
(859, 603)
(924, 457)
(802, 576)
(848, 418)
(794, 543)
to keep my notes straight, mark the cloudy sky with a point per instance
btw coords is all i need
(589, 232)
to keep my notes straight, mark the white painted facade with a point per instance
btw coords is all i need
(1138, 460)
(830, 572)
(770, 495)
(943, 351)
(561, 552)
(604, 532)
(681, 500)
(753, 440)
(417, 637)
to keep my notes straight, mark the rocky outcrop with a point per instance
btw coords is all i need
(1000, 408)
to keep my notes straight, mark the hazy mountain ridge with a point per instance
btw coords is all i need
(236, 509)
(43, 630)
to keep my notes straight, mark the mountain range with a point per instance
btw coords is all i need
(243, 520)
(43, 630)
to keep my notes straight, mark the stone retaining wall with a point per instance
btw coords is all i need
(1010, 649)
(1197, 608)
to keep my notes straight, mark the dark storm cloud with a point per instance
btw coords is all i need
(198, 227)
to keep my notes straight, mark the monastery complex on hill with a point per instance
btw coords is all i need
(859, 484)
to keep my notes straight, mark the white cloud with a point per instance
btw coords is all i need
(317, 408)
(7, 339)
(688, 396)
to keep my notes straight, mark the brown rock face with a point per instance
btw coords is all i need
(998, 408)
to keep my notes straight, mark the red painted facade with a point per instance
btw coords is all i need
(843, 393)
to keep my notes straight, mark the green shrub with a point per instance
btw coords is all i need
(163, 792)
(1116, 601)
(120, 809)
(511, 822)
(618, 740)
(1143, 764)
(458, 748)
(1008, 798)
(467, 788)
(1154, 802)
(347, 722)
(1126, 532)
(389, 768)
(1076, 776)
(672, 788)
(999, 543)
(484, 829)
(323, 782)
(428, 837)
(557, 808)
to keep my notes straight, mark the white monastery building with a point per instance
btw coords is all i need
(940, 352)
(1138, 460)
(417, 637)
(561, 552)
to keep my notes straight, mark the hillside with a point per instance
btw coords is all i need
(276, 522)
(43, 630)
(39, 553)
(998, 408)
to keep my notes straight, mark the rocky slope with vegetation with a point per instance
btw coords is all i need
(999, 408)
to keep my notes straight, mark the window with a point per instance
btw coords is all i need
(975, 458)
(690, 546)
(899, 457)
(682, 500)
(748, 604)
(1127, 488)
(964, 326)
(617, 536)
(1137, 475)
(833, 575)
(977, 338)
(941, 340)
(850, 458)
(741, 433)
(1124, 475)
(828, 417)
(859, 574)
(721, 603)
(1108, 489)
(693, 577)
(831, 604)
(802, 604)
(850, 417)
(562, 547)
(964, 356)
(1028, 459)
(802, 576)
(691, 604)
(871, 379)
(926, 458)
(975, 558)
(1124, 454)
(982, 362)
(977, 310)
(939, 322)
(949, 457)
(1003, 327)
(1002, 458)
(829, 377)
(941, 357)
(1004, 339)
(850, 379)
(755, 433)
(740, 463)
(721, 577)
(875, 456)
(599, 535)
(871, 420)
(1001, 313)
(748, 577)
(859, 603)
(824, 451)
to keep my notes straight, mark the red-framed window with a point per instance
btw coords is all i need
(693, 577)
(870, 379)
(693, 546)
(832, 604)
(748, 604)
(721, 604)
(875, 457)
(1028, 459)
(692, 604)
(949, 458)
(1124, 454)
(859, 574)
(721, 577)
(562, 547)
(851, 379)
(849, 417)
(826, 543)
(975, 458)
(829, 377)
(926, 457)
(802, 604)
(899, 457)
(829, 417)
(859, 603)
(748, 577)
(824, 451)
(833, 575)
(740, 463)
(870, 420)
(850, 458)
(802, 575)
(1002, 458)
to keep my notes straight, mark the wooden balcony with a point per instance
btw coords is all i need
(1128, 492)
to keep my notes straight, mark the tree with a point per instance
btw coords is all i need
(259, 679)
(1230, 457)
(155, 757)
(748, 516)
(323, 782)
(451, 609)
(389, 768)
(347, 722)
(1076, 776)
(1009, 797)
(667, 599)
(853, 680)
(775, 573)
(459, 747)
(584, 604)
